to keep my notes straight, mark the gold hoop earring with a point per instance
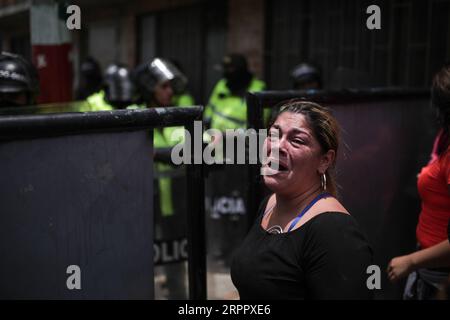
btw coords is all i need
(324, 181)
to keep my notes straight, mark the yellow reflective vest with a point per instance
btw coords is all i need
(227, 111)
(96, 102)
(162, 138)
(183, 100)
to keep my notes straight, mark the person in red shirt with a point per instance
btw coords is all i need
(434, 190)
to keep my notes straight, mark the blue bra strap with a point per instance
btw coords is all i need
(313, 201)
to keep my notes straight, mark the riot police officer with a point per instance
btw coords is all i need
(227, 108)
(118, 86)
(117, 90)
(90, 80)
(156, 82)
(306, 76)
(19, 84)
(182, 97)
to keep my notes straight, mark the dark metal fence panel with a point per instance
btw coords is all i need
(388, 143)
(386, 138)
(77, 189)
(82, 200)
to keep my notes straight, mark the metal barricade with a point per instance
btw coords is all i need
(77, 200)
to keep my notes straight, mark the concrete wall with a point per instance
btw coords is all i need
(245, 26)
(125, 15)
(246, 31)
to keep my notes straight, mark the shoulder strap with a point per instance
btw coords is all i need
(313, 202)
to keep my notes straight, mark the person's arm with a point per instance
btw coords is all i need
(163, 155)
(432, 257)
(231, 295)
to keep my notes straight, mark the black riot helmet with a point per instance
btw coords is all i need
(179, 87)
(148, 75)
(236, 73)
(90, 80)
(19, 83)
(119, 87)
(306, 76)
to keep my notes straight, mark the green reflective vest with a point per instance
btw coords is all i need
(162, 138)
(164, 183)
(96, 102)
(166, 138)
(227, 111)
(183, 100)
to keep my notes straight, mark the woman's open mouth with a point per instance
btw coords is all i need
(277, 166)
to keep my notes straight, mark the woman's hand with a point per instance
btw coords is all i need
(400, 267)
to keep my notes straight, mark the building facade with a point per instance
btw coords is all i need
(414, 40)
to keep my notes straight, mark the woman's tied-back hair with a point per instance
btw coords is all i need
(325, 129)
(440, 97)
